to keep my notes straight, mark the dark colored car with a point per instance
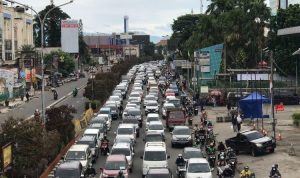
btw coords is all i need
(69, 169)
(251, 142)
(159, 173)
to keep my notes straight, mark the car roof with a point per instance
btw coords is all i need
(181, 127)
(105, 108)
(153, 115)
(158, 171)
(151, 146)
(169, 104)
(153, 133)
(91, 130)
(198, 160)
(69, 165)
(121, 145)
(155, 122)
(125, 126)
(78, 147)
(191, 149)
(246, 132)
(116, 158)
(87, 138)
(152, 101)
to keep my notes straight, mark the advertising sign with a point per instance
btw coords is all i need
(204, 59)
(254, 77)
(7, 155)
(69, 36)
(205, 68)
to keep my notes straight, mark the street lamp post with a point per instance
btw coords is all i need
(296, 53)
(42, 22)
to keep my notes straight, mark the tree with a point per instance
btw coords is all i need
(84, 54)
(52, 26)
(60, 119)
(65, 62)
(284, 46)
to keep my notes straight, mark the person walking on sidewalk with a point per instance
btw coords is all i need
(239, 122)
(27, 96)
(234, 122)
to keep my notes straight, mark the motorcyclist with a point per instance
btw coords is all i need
(274, 171)
(180, 160)
(245, 172)
(90, 171)
(230, 153)
(55, 95)
(227, 172)
(221, 147)
(211, 149)
(75, 91)
(37, 115)
(104, 140)
(120, 174)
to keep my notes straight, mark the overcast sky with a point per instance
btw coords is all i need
(153, 17)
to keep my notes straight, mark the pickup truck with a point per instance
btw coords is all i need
(175, 116)
(251, 142)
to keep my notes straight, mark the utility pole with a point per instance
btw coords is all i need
(201, 7)
(272, 97)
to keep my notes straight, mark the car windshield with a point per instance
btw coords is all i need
(115, 165)
(92, 144)
(152, 119)
(181, 131)
(67, 173)
(192, 154)
(175, 102)
(114, 98)
(156, 127)
(155, 156)
(153, 138)
(151, 104)
(100, 127)
(75, 155)
(198, 167)
(134, 112)
(125, 131)
(104, 112)
(150, 98)
(153, 93)
(176, 115)
(158, 176)
(254, 136)
(114, 108)
(135, 95)
(120, 151)
(130, 121)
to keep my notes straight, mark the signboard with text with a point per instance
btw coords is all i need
(7, 155)
(69, 36)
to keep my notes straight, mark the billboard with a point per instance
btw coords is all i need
(69, 36)
(253, 77)
(7, 155)
(205, 69)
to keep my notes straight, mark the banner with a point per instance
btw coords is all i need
(69, 36)
(253, 77)
(7, 155)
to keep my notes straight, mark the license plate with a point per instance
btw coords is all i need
(269, 148)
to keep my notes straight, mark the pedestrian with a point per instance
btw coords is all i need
(234, 122)
(214, 101)
(27, 96)
(228, 106)
(239, 122)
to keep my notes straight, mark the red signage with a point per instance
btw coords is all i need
(279, 107)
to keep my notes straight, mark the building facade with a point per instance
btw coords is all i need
(281, 4)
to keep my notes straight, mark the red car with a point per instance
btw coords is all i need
(113, 164)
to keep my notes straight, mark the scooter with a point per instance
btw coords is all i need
(104, 148)
(212, 160)
(181, 169)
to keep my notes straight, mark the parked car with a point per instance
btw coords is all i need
(251, 142)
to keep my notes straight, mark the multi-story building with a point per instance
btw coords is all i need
(281, 4)
(16, 29)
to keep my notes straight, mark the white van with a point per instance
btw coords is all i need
(155, 155)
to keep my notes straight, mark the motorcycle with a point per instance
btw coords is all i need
(55, 96)
(104, 147)
(181, 169)
(75, 93)
(223, 172)
(221, 159)
(212, 160)
(275, 176)
(190, 121)
(251, 176)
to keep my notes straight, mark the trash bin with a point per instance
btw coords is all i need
(196, 111)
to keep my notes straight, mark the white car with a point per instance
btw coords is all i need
(198, 167)
(116, 99)
(165, 107)
(156, 126)
(108, 119)
(149, 98)
(152, 117)
(151, 107)
(126, 130)
(136, 95)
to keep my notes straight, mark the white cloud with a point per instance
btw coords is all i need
(151, 16)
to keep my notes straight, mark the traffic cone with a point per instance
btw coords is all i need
(279, 137)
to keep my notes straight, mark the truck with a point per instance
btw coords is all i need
(251, 141)
(175, 116)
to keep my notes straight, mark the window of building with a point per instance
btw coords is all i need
(8, 56)
(8, 45)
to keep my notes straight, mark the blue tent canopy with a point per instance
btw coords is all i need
(251, 106)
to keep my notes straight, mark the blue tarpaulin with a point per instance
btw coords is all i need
(251, 106)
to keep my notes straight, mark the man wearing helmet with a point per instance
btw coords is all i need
(90, 171)
(274, 171)
(180, 160)
(245, 172)
(120, 174)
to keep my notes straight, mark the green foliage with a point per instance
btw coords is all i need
(296, 119)
(226, 21)
(66, 64)
(84, 54)
(284, 46)
(60, 119)
(27, 48)
(52, 30)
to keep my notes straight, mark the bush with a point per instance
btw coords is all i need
(296, 119)
(95, 104)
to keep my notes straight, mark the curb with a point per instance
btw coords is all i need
(58, 101)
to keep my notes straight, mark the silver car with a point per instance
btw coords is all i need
(181, 135)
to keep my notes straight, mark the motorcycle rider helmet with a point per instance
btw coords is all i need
(276, 166)
(120, 173)
(37, 110)
(90, 165)
(246, 168)
(179, 155)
